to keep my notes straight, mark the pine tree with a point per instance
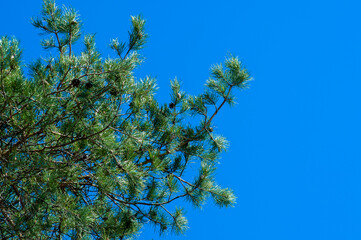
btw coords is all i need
(86, 150)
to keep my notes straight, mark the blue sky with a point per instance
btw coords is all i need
(294, 158)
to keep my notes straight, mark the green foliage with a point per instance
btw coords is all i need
(87, 152)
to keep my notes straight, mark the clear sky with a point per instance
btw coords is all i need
(294, 159)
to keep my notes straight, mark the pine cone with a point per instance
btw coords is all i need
(75, 82)
(88, 85)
